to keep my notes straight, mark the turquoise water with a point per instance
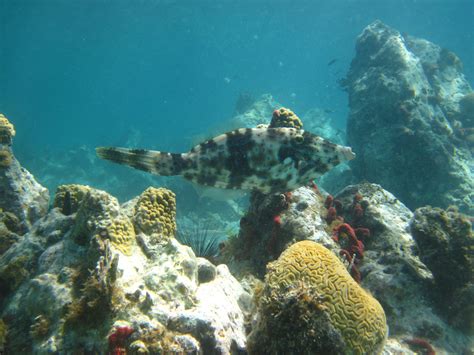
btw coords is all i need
(91, 73)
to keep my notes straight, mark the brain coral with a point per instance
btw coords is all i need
(155, 212)
(69, 197)
(284, 117)
(7, 131)
(310, 302)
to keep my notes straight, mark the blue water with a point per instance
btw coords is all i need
(89, 72)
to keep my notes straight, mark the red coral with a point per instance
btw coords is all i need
(419, 343)
(273, 241)
(354, 271)
(329, 201)
(357, 211)
(350, 239)
(331, 215)
(277, 220)
(338, 205)
(357, 198)
(118, 339)
(313, 185)
(362, 233)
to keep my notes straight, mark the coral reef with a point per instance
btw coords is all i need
(20, 194)
(155, 213)
(7, 130)
(121, 234)
(284, 117)
(310, 302)
(78, 277)
(69, 197)
(9, 227)
(271, 223)
(404, 95)
(6, 157)
(203, 240)
(466, 110)
(445, 240)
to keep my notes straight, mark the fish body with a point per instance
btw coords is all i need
(268, 160)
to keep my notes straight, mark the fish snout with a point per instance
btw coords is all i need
(348, 153)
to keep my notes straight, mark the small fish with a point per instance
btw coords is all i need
(332, 61)
(268, 160)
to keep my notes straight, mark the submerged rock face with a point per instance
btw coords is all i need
(395, 272)
(446, 242)
(20, 193)
(406, 124)
(88, 278)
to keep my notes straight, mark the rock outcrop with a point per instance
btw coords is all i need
(95, 276)
(20, 194)
(406, 123)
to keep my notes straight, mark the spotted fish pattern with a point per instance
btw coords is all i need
(268, 160)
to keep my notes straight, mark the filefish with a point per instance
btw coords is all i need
(268, 160)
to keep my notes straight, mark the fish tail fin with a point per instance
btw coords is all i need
(151, 161)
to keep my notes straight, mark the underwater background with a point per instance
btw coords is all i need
(374, 257)
(155, 74)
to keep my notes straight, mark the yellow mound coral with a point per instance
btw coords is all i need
(121, 234)
(311, 302)
(155, 212)
(69, 197)
(284, 117)
(7, 130)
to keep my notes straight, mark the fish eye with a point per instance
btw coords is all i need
(299, 139)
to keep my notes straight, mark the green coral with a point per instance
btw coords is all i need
(284, 117)
(69, 197)
(310, 302)
(7, 130)
(155, 213)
